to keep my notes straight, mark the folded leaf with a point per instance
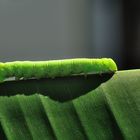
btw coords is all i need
(109, 111)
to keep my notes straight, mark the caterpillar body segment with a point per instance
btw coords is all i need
(55, 68)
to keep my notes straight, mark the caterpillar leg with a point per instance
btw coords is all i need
(17, 78)
(1, 79)
(85, 75)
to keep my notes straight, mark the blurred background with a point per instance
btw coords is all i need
(58, 29)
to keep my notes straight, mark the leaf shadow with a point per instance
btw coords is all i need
(60, 88)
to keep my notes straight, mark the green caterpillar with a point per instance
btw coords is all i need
(55, 68)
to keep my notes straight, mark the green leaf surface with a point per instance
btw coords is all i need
(109, 110)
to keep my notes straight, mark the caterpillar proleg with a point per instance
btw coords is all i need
(55, 68)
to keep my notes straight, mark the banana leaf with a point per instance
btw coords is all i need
(95, 107)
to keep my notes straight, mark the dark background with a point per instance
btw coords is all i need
(57, 29)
